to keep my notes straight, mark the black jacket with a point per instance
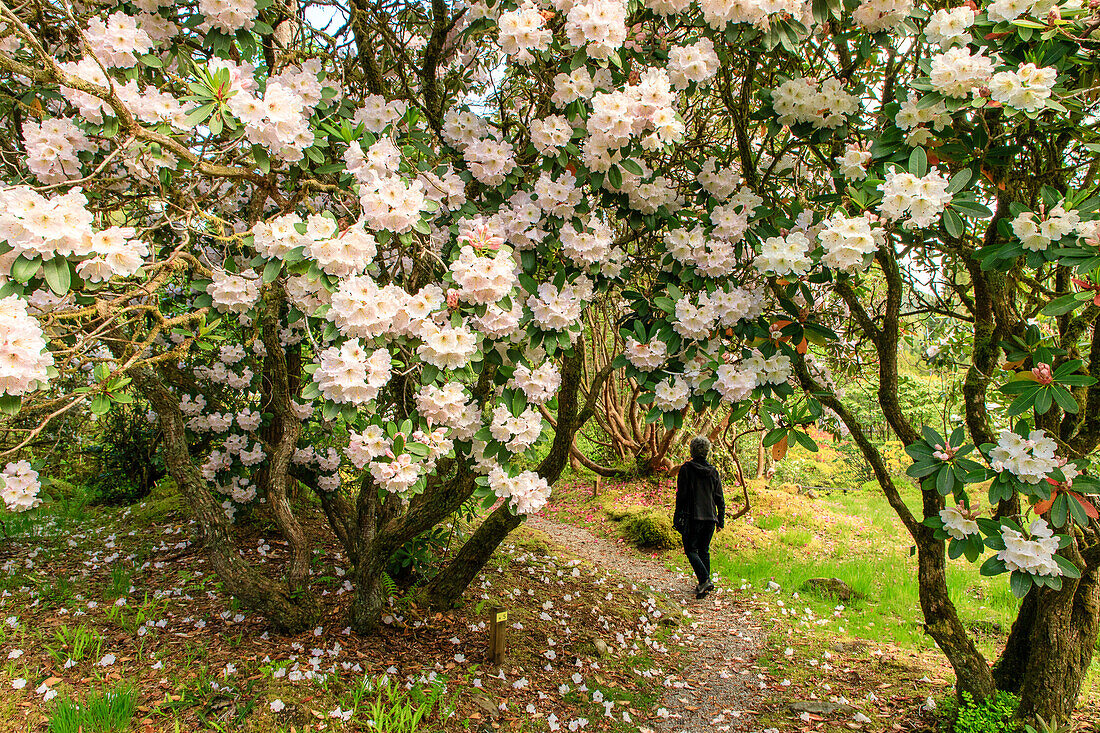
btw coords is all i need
(699, 494)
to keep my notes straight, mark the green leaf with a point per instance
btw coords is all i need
(23, 269)
(58, 275)
(9, 404)
(1043, 400)
(1020, 583)
(100, 404)
(1063, 305)
(952, 222)
(1064, 399)
(959, 180)
(918, 162)
(271, 270)
(1059, 511)
(971, 208)
(615, 176)
(631, 165)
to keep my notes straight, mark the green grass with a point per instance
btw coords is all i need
(108, 711)
(857, 538)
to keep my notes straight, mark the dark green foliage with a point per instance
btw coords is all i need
(128, 457)
(995, 714)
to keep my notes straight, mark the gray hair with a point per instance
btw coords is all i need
(699, 447)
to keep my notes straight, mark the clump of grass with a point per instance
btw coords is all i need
(74, 643)
(107, 711)
(384, 706)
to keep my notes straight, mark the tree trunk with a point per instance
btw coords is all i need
(1050, 648)
(446, 588)
(285, 610)
(365, 614)
(942, 622)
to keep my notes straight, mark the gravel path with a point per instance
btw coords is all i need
(719, 690)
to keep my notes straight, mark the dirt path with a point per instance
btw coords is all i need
(719, 691)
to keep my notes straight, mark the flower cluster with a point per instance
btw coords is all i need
(348, 374)
(279, 120)
(447, 347)
(876, 16)
(1027, 88)
(693, 63)
(646, 356)
(116, 41)
(848, 240)
(483, 280)
(117, 253)
(522, 31)
(853, 164)
(923, 199)
(913, 118)
(1034, 554)
(785, 255)
(234, 293)
(526, 492)
(52, 148)
(558, 308)
(958, 521)
(36, 226)
(1037, 234)
(228, 16)
(804, 100)
(671, 394)
(714, 257)
(597, 25)
(517, 433)
(958, 73)
(24, 358)
(950, 27)
(1029, 459)
(538, 385)
(20, 486)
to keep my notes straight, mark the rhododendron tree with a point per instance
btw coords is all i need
(350, 248)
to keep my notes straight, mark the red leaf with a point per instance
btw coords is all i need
(1042, 507)
(1088, 506)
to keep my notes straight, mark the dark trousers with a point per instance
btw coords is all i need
(697, 547)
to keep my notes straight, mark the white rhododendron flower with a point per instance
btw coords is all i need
(787, 255)
(671, 394)
(1029, 458)
(646, 356)
(848, 241)
(526, 493)
(1037, 234)
(20, 486)
(24, 358)
(922, 199)
(950, 27)
(348, 374)
(1032, 554)
(538, 385)
(234, 293)
(1027, 88)
(958, 73)
(959, 522)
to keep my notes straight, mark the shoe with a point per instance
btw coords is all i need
(699, 588)
(702, 589)
(708, 586)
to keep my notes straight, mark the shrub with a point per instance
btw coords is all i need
(651, 529)
(996, 714)
(617, 512)
(128, 455)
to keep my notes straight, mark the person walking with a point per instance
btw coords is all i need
(700, 508)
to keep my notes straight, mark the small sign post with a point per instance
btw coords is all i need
(498, 622)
